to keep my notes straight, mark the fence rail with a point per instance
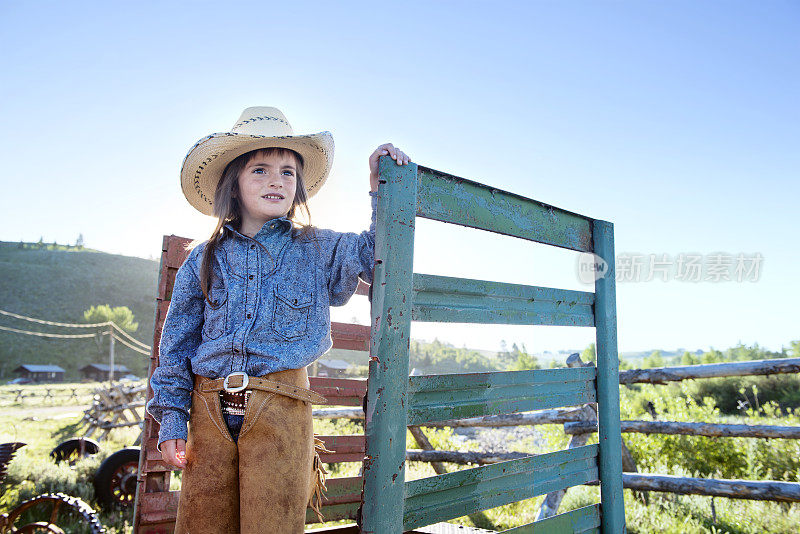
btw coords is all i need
(739, 489)
(660, 375)
(712, 430)
(110, 408)
(580, 421)
(18, 395)
(758, 490)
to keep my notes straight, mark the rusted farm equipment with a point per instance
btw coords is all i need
(43, 512)
(106, 412)
(114, 481)
(116, 407)
(113, 407)
(73, 449)
(381, 500)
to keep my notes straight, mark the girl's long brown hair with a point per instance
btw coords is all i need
(228, 210)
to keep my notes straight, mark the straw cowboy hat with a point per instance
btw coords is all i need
(257, 127)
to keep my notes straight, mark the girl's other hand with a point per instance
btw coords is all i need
(173, 452)
(397, 155)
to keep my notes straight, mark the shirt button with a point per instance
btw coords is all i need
(248, 315)
(250, 277)
(272, 226)
(236, 350)
(252, 247)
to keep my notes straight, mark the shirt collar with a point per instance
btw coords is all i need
(277, 225)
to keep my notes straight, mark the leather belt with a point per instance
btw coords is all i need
(236, 381)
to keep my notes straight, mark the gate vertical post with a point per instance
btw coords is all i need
(609, 435)
(386, 415)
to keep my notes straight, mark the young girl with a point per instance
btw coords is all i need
(249, 311)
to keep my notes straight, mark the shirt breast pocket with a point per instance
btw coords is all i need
(216, 314)
(291, 311)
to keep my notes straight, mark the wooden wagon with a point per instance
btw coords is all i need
(382, 500)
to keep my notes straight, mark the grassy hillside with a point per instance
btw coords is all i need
(58, 285)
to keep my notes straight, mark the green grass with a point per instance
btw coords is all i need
(32, 472)
(59, 285)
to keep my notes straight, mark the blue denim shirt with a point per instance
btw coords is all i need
(272, 293)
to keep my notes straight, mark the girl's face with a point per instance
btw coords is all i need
(267, 186)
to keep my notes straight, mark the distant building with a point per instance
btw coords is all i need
(99, 371)
(329, 367)
(41, 373)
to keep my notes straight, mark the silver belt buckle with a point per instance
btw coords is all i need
(245, 382)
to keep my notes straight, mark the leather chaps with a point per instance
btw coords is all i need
(264, 482)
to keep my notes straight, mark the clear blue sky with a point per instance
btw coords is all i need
(677, 121)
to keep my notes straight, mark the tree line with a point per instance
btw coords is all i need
(39, 245)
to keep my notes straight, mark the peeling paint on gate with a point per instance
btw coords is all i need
(395, 400)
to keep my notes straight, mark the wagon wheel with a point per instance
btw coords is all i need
(56, 507)
(115, 480)
(74, 449)
(7, 451)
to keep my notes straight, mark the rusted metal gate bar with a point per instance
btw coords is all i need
(584, 520)
(609, 435)
(441, 397)
(395, 400)
(455, 494)
(462, 300)
(386, 416)
(447, 198)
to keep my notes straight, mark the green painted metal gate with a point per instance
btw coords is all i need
(395, 400)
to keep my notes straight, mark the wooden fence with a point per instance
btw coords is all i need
(115, 407)
(52, 394)
(580, 421)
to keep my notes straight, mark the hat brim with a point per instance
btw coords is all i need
(203, 165)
